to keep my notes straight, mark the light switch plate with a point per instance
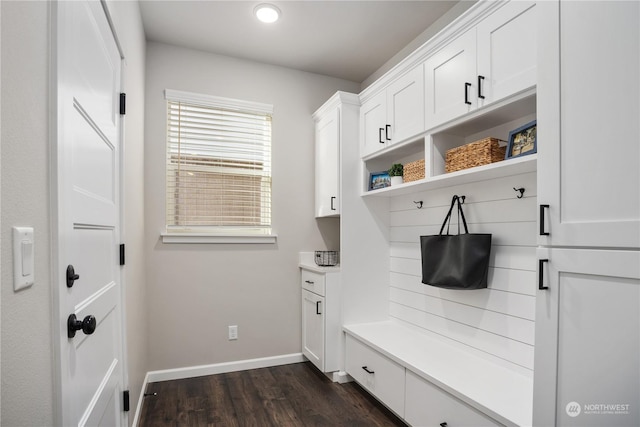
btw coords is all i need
(23, 257)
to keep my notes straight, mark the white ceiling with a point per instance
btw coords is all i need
(344, 39)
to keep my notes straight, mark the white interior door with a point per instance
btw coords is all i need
(88, 208)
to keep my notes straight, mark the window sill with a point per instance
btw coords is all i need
(218, 238)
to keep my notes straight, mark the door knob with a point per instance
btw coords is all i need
(71, 276)
(87, 325)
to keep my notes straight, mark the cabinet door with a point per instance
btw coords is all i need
(451, 81)
(588, 127)
(507, 51)
(587, 348)
(313, 328)
(327, 164)
(405, 106)
(373, 131)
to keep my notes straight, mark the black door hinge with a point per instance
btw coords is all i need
(122, 254)
(123, 103)
(125, 401)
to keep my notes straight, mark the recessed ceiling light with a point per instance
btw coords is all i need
(267, 13)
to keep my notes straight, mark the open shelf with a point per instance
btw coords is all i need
(495, 120)
(506, 168)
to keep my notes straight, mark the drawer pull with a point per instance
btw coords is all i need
(367, 370)
(310, 282)
(318, 307)
(443, 424)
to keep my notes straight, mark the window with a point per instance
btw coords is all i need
(218, 167)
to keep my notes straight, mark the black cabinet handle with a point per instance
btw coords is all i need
(443, 424)
(466, 93)
(332, 199)
(480, 82)
(380, 135)
(542, 227)
(318, 307)
(387, 128)
(367, 370)
(311, 282)
(541, 263)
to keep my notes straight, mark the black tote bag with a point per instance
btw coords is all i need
(455, 261)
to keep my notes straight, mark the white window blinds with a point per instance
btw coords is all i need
(218, 165)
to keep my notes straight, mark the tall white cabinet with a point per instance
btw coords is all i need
(587, 348)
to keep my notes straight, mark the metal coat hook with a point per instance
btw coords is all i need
(418, 204)
(521, 190)
(462, 199)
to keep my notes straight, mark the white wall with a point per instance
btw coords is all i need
(197, 290)
(128, 23)
(27, 352)
(26, 315)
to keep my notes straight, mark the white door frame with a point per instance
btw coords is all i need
(57, 273)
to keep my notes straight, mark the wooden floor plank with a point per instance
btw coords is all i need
(281, 396)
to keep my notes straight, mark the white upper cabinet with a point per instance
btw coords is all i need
(588, 109)
(405, 106)
(336, 124)
(393, 114)
(507, 52)
(449, 80)
(373, 117)
(327, 164)
(489, 62)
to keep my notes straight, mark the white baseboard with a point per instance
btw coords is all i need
(217, 368)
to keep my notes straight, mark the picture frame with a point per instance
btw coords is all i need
(522, 141)
(378, 180)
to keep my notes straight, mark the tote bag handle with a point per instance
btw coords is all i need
(447, 219)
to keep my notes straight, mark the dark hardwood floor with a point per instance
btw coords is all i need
(288, 395)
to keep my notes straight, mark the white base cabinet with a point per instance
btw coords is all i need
(321, 334)
(428, 405)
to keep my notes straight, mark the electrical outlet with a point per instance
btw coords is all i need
(233, 332)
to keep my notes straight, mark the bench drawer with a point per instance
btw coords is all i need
(429, 405)
(376, 373)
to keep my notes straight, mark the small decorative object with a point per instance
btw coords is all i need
(522, 141)
(379, 180)
(413, 171)
(396, 174)
(478, 153)
(327, 258)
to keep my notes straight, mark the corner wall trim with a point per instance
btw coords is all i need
(221, 368)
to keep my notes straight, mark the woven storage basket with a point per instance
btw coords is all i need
(413, 171)
(477, 153)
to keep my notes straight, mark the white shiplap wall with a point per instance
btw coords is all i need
(497, 322)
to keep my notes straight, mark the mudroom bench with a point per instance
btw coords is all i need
(428, 381)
